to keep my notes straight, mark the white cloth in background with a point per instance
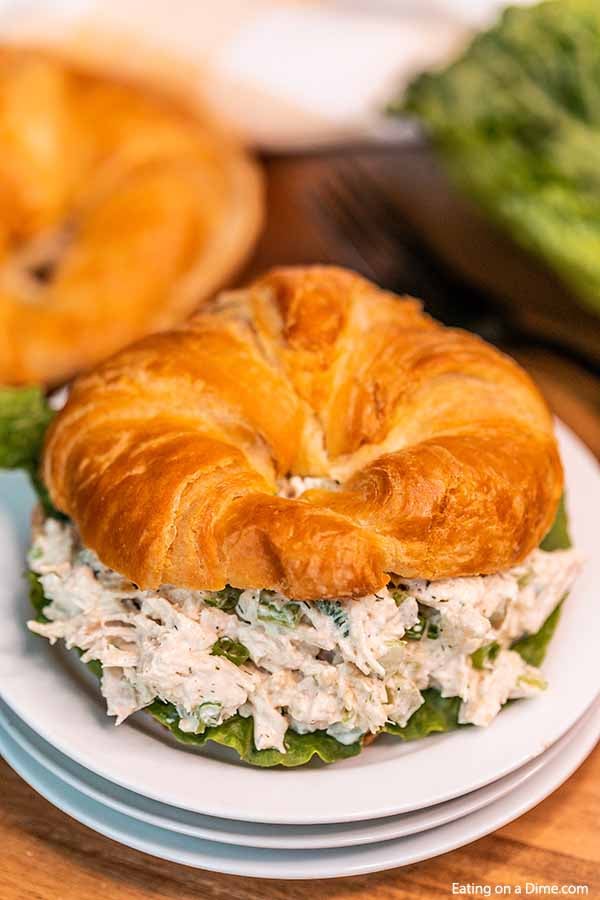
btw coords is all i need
(281, 74)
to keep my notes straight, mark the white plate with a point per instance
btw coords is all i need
(297, 864)
(274, 837)
(389, 778)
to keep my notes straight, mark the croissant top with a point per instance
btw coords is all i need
(168, 456)
(120, 210)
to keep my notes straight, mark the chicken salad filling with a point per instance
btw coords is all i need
(343, 667)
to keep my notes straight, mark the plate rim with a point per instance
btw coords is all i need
(502, 811)
(304, 837)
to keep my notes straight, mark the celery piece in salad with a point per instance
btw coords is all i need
(400, 595)
(540, 683)
(423, 627)
(226, 600)
(208, 713)
(433, 631)
(287, 615)
(416, 631)
(485, 656)
(232, 650)
(335, 610)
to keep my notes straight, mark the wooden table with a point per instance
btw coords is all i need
(45, 855)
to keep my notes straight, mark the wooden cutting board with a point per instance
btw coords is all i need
(45, 855)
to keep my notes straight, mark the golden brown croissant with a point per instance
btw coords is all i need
(167, 456)
(119, 212)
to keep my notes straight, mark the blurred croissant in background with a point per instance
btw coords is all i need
(120, 211)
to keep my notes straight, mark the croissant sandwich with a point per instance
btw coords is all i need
(308, 516)
(120, 210)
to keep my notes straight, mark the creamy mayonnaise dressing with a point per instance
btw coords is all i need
(346, 667)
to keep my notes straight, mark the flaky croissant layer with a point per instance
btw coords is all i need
(167, 457)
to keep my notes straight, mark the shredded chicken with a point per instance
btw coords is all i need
(346, 667)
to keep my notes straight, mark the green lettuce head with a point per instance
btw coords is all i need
(516, 121)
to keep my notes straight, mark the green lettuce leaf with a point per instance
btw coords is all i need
(558, 538)
(516, 121)
(24, 418)
(237, 733)
(436, 714)
(37, 598)
(533, 648)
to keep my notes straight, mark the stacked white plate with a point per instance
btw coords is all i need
(393, 805)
